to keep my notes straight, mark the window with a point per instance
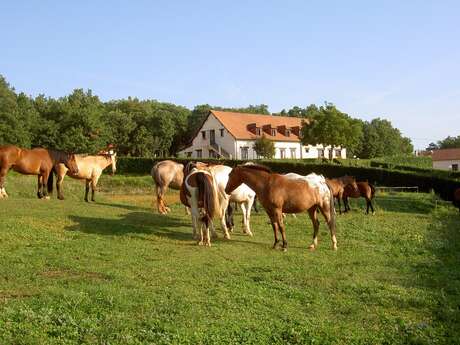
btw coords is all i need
(282, 153)
(454, 167)
(199, 153)
(203, 134)
(320, 153)
(293, 152)
(189, 154)
(221, 132)
(307, 149)
(273, 132)
(257, 131)
(338, 153)
(288, 132)
(245, 152)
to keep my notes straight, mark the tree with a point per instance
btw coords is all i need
(264, 147)
(329, 126)
(449, 143)
(432, 147)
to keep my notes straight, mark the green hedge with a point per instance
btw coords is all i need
(425, 180)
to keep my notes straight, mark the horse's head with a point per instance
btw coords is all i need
(234, 180)
(71, 163)
(350, 181)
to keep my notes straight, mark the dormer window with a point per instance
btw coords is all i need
(288, 132)
(273, 132)
(258, 131)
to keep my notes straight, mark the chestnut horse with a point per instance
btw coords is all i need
(38, 161)
(294, 193)
(365, 190)
(89, 169)
(338, 185)
(166, 174)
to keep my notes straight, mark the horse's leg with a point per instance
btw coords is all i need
(87, 189)
(3, 171)
(345, 204)
(314, 219)
(59, 181)
(273, 220)
(39, 186)
(339, 196)
(247, 216)
(327, 211)
(224, 205)
(213, 230)
(369, 204)
(94, 187)
(282, 229)
(45, 177)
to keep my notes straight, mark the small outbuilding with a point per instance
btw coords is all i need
(446, 159)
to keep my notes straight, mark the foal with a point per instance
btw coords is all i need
(280, 194)
(365, 190)
(338, 185)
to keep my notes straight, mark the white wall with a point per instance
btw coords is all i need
(445, 165)
(227, 142)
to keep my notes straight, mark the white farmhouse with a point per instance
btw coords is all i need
(232, 135)
(446, 159)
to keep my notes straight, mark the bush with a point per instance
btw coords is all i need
(424, 179)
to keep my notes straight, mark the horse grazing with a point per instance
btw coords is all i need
(243, 196)
(290, 193)
(89, 169)
(201, 193)
(338, 185)
(38, 161)
(365, 190)
(166, 174)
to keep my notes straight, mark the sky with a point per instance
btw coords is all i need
(398, 60)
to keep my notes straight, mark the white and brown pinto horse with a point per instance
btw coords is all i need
(243, 196)
(289, 193)
(89, 169)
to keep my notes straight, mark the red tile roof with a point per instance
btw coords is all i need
(446, 154)
(237, 124)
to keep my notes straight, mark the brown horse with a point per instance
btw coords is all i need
(89, 169)
(290, 193)
(37, 161)
(166, 174)
(338, 185)
(365, 190)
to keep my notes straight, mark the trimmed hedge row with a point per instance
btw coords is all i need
(433, 172)
(387, 177)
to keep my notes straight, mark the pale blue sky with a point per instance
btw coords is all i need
(393, 59)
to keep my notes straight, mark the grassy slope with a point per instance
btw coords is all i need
(116, 272)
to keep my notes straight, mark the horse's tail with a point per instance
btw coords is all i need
(50, 181)
(332, 214)
(207, 193)
(372, 190)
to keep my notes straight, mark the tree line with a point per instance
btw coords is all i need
(82, 123)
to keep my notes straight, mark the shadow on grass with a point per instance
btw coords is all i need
(123, 206)
(134, 223)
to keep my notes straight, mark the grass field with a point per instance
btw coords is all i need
(115, 272)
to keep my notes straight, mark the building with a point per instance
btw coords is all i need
(232, 135)
(446, 159)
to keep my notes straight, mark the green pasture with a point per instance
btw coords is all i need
(116, 272)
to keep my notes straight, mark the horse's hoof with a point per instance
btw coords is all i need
(249, 234)
(284, 250)
(46, 197)
(334, 248)
(200, 243)
(312, 247)
(373, 213)
(60, 197)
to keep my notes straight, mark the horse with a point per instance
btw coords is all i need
(456, 201)
(338, 184)
(37, 161)
(201, 193)
(365, 190)
(166, 174)
(280, 194)
(89, 169)
(243, 196)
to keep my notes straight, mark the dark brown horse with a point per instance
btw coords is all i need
(37, 161)
(289, 193)
(365, 190)
(338, 185)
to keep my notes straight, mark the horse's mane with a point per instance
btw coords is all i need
(256, 167)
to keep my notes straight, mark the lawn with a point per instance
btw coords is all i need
(116, 272)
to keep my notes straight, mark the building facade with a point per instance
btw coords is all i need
(232, 135)
(446, 159)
